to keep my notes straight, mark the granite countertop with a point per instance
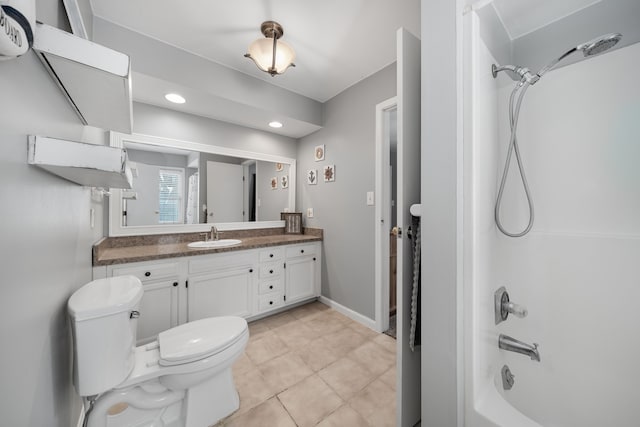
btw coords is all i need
(111, 251)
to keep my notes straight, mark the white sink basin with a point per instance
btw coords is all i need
(222, 243)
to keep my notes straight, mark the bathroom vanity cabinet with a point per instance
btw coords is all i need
(248, 283)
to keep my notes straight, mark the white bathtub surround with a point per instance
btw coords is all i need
(576, 271)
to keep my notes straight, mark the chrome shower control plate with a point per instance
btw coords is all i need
(500, 297)
(503, 306)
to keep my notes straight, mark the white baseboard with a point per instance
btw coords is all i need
(363, 320)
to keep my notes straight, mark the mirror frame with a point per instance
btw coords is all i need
(117, 139)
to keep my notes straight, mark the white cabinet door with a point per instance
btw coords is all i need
(158, 309)
(300, 278)
(226, 293)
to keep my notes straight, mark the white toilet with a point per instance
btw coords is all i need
(183, 379)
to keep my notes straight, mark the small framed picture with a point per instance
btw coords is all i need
(284, 181)
(319, 153)
(329, 173)
(279, 167)
(274, 183)
(312, 176)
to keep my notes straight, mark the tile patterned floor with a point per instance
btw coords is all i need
(312, 366)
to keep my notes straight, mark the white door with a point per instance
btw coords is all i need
(224, 192)
(408, 165)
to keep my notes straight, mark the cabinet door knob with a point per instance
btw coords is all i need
(271, 271)
(251, 270)
(270, 255)
(270, 286)
(270, 302)
(175, 283)
(301, 251)
(147, 273)
(314, 258)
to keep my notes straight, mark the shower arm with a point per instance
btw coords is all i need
(517, 73)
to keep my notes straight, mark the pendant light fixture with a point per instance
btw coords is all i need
(270, 54)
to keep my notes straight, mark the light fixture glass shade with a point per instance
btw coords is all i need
(261, 52)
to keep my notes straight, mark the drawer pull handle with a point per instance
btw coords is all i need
(270, 286)
(251, 270)
(147, 273)
(270, 271)
(270, 255)
(270, 302)
(175, 283)
(314, 258)
(134, 314)
(301, 251)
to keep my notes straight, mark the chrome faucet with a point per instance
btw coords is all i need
(505, 342)
(214, 233)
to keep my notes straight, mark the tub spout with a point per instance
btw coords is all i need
(505, 342)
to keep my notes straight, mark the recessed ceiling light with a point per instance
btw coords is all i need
(175, 98)
(275, 124)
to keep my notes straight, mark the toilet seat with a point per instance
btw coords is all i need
(199, 339)
(148, 364)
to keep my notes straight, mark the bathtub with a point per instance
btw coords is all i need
(578, 271)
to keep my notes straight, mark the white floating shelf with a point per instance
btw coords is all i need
(95, 79)
(85, 164)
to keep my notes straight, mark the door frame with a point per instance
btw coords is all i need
(382, 213)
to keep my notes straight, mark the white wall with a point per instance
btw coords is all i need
(441, 156)
(577, 270)
(340, 207)
(45, 244)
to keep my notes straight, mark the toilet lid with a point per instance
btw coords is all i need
(199, 339)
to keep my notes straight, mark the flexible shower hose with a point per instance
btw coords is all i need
(519, 90)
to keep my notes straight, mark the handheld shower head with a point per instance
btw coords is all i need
(600, 44)
(590, 48)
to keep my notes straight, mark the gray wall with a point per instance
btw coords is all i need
(45, 245)
(340, 207)
(156, 121)
(272, 202)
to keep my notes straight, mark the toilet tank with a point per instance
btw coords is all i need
(103, 317)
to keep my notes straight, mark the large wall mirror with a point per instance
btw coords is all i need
(181, 186)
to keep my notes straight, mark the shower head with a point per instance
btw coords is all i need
(600, 44)
(590, 48)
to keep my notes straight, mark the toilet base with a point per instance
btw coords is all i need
(203, 404)
(210, 401)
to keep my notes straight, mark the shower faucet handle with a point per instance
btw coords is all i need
(503, 306)
(516, 309)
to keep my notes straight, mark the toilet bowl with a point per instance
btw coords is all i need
(183, 379)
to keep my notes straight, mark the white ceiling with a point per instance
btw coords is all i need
(337, 42)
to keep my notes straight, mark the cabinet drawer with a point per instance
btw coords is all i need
(266, 286)
(271, 254)
(267, 302)
(221, 262)
(270, 270)
(301, 250)
(148, 272)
